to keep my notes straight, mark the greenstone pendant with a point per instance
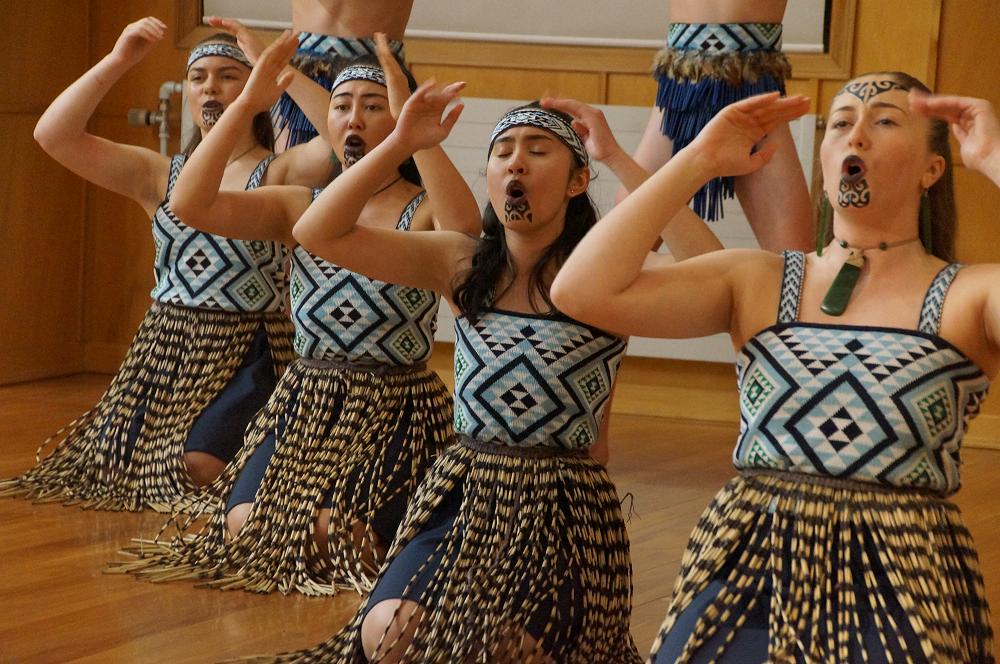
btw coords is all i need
(836, 298)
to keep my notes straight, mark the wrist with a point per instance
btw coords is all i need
(399, 147)
(696, 164)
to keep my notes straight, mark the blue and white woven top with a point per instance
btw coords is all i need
(870, 404)
(344, 316)
(198, 269)
(528, 380)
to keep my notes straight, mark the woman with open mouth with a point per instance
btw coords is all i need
(329, 463)
(514, 548)
(859, 367)
(216, 338)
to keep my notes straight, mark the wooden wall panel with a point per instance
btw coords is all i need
(41, 206)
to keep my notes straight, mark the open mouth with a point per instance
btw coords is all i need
(515, 192)
(211, 111)
(852, 170)
(354, 149)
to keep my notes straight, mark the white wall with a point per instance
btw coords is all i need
(592, 22)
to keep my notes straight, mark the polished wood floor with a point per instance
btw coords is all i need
(56, 606)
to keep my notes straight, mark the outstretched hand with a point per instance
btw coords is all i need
(138, 38)
(726, 143)
(269, 79)
(974, 123)
(420, 125)
(247, 40)
(395, 79)
(590, 124)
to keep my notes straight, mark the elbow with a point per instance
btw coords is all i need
(301, 235)
(45, 135)
(567, 298)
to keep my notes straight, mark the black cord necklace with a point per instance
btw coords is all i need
(839, 294)
(398, 178)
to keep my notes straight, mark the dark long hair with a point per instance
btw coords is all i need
(408, 169)
(263, 130)
(941, 194)
(475, 291)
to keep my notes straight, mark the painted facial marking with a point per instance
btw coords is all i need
(854, 194)
(517, 211)
(865, 90)
(211, 114)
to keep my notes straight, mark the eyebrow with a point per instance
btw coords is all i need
(224, 68)
(367, 94)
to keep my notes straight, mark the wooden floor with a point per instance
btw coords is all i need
(56, 606)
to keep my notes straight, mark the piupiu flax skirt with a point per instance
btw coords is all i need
(791, 568)
(355, 440)
(502, 543)
(184, 385)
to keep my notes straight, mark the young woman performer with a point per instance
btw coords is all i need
(837, 541)
(718, 52)
(211, 347)
(330, 462)
(330, 33)
(514, 548)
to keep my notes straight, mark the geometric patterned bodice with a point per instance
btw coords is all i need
(530, 380)
(198, 269)
(869, 404)
(344, 316)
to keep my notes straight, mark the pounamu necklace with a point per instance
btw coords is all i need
(839, 294)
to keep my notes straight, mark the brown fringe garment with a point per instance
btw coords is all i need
(922, 547)
(693, 66)
(180, 359)
(333, 424)
(519, 514)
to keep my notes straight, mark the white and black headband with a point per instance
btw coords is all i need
(539, 117)
(219, 49)
(359, 73)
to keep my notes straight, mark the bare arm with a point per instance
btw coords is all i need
(453, 207)
(307, 164)
(608, 281)
(266, 213)
(329, 227)
(686, 234)
(135, 172)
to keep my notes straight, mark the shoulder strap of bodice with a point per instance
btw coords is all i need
(930, 311)
(176, 162)
(258, 173)
(411, 208)
(316, 192)
(791, 286)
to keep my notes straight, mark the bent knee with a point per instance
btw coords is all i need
(388, 629)
(202, 467)
(237, 517)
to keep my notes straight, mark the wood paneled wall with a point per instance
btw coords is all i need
(76, 304)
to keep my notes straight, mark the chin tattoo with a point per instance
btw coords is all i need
(854, 194)
(517, 211)
(211, 116)
(865, 90)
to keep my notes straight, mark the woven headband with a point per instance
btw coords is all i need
(218, 49)
(359, 73)
(539, 117)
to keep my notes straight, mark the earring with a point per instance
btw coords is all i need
(825, 219)
(926, 230)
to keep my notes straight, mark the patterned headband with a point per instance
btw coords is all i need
(539, 117)
(359, 73)
(218, 49)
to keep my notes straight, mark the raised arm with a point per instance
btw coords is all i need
(307, 164)
(329, 227)
(136, 172)
(452, 205)
(686, 234)
(267, 213)
(608, 281)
